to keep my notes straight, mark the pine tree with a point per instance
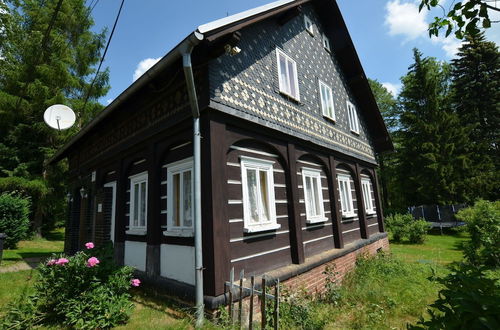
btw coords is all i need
(388, 107)
(434, 153)
(476, 99)
(49, 56)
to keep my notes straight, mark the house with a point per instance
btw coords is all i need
(289, 135)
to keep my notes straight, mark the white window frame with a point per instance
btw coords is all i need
(137, 230)
(326, 43)
(324, 107)
(308, 25)
(174, 168)
(314, 174)
(347, 209)
(352, 115)
(259, 165)
(285, 86)
(367, 195)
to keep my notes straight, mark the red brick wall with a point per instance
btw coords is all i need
(313, 281)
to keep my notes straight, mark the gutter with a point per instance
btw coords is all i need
(185, 49)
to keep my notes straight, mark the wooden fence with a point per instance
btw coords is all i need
(238, 292)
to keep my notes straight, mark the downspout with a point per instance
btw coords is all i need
(185, 50)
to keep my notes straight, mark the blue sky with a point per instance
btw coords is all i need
(384, 33)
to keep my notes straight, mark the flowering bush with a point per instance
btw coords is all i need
(85, 291)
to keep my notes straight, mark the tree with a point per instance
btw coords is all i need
(49, 55)
(464, 17)
(475, 77)
(388, 107)
(434, 153)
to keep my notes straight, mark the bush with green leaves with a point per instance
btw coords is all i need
(470, 300)
(14, 218)
(85, 291)
(297, 310)
(405, 227)
(483, 225)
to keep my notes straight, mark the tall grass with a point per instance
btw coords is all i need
(381, 293)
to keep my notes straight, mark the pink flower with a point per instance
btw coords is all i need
(93, 261)
(135, 282)
(61, 261)
(51, 262)
(89, 245)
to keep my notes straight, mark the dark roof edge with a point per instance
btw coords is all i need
(218, 28)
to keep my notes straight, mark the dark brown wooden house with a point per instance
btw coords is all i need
(289, 136)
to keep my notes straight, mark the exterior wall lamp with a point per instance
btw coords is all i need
(83, 192)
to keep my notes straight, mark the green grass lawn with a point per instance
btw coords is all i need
(53, 242)
(437, 249)
(384, 294)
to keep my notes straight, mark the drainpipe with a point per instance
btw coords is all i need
(185, 49)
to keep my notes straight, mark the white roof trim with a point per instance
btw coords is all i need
(237, 17)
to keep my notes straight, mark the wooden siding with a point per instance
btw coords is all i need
(317, 237)
(226, 244)
(261, 248)
(351, 229)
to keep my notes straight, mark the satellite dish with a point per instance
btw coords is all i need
(59, 116)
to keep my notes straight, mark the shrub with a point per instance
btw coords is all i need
(397, 225)
(404, 226)
(332, 293)
(483, 225)
(417, 230)
(14, 218)
(86, 291)
(297, 311)
(469, 300)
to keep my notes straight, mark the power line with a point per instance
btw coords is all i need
(103, 55)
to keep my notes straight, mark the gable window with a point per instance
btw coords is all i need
(344, 182)
(180, 197)
(367, 195)
(138, 202)
(353, 117)
(287, 75)
(326, 42)
(326, 100)
(259, 209)
(309, 25)
(313, 195)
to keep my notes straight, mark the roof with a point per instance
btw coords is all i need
(218, 28)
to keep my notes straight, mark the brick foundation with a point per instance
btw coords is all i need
(313, 280)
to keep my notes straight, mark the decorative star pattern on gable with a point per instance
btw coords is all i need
(248, 82)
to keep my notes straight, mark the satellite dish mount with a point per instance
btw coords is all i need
(59, 116)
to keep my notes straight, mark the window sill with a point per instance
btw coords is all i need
(316, 220)
(371, 214)
(179, 233)
(137, 232)
(354, 132)
(329, 118)
(348, 216)
(290, 97)
(255, 229)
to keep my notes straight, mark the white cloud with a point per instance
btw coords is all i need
(144, 66)
(493, 33)
(108, 101)
(405, 19)
(450, 44)
(392, 88)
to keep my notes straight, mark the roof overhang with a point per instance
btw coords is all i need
(342, 46)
